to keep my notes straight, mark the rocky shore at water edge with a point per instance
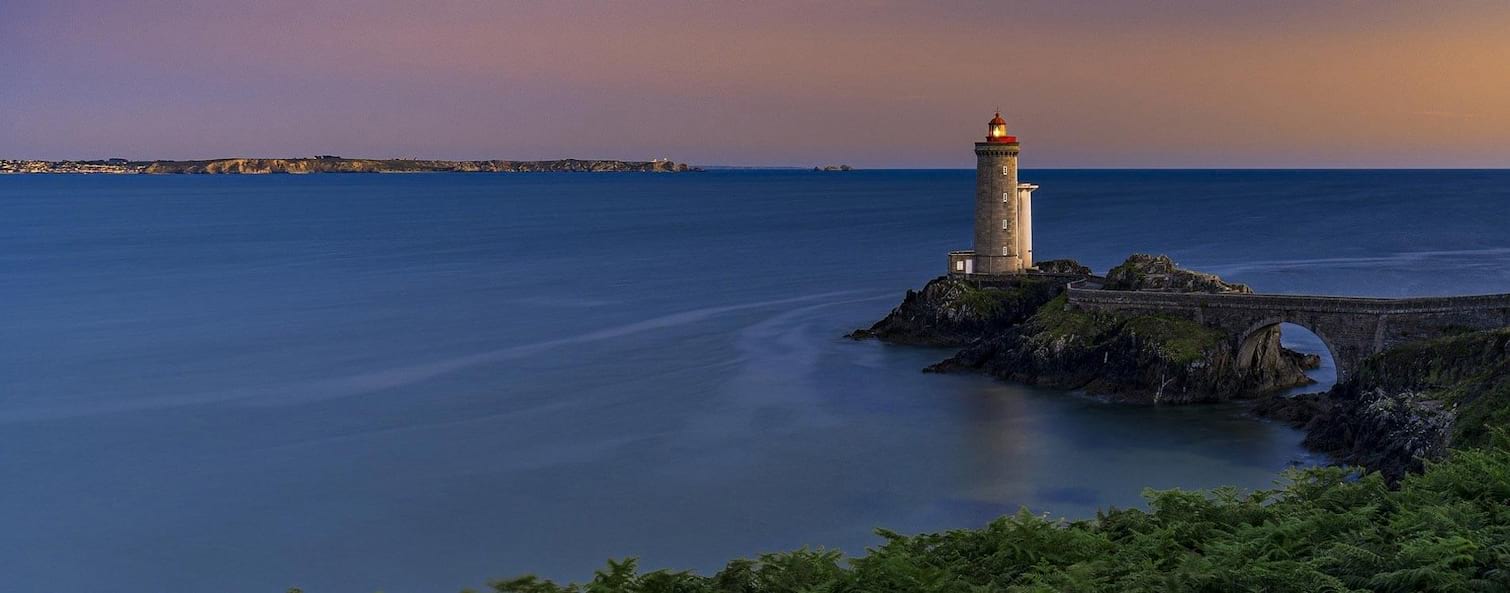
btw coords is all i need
(1405, 407)
(1022, 330)
(1409, 405)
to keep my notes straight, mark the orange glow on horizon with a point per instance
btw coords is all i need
(1094, 84)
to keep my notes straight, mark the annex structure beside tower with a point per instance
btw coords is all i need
(1003, 210)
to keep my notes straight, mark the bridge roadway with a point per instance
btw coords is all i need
(1352, 328)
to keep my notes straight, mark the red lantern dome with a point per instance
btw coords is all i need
(996, 130)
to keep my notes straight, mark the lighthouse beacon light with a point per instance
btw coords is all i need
(996, 130)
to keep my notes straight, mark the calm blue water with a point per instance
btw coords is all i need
(415, 383)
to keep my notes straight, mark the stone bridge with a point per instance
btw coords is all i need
(1352, 328)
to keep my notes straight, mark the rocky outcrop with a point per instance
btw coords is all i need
(1062, 266)
(1023, 331)
(1391, 431)
(1409, 405)
(1137, 358)
(952, 312)
(1401, 409)
(1157, 273)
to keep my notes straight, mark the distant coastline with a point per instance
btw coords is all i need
(335, 164)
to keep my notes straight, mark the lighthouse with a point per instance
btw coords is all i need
(1003, 210)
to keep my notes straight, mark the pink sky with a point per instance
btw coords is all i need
(874, 84)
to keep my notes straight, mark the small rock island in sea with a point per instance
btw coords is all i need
(1416, 377)
(336, 164)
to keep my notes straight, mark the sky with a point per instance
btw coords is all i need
(1115, 83)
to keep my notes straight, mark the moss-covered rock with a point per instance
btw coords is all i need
(1143, 358)
(1158, 273)
(1018, 328)
(953, 312)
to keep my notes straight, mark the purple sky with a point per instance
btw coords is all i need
(876, 84)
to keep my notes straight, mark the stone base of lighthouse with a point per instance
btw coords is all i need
(1019, 249)
(967, 263)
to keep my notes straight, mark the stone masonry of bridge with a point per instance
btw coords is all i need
(1352, 328)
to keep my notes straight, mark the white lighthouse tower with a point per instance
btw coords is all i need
(1003, 210)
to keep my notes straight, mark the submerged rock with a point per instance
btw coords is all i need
(1296, 411)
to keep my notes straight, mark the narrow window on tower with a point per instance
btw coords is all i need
(1004, 197)
(1004, 170)
(1004, 250)
(1004, 224)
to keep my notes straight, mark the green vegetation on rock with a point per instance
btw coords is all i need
(1469, 373)
(1152, 358)
(994, 302)
(1054, 321)
(1180, 340)
(1158, 273)
(953, 312)
(983, 303)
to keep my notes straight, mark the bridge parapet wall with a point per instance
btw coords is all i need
(1351, 327)
(1321, 304)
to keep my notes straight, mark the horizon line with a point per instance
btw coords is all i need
(794, 167)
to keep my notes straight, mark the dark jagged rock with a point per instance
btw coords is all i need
(1410, 404)
(1306, 361)
(1157, 273)
(1296, 411)
(1062, 266)
(1393, 432)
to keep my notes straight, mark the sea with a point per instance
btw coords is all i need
(352, 383)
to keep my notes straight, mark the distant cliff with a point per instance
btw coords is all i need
(327, 164)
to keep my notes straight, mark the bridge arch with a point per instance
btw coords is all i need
(1251, 338)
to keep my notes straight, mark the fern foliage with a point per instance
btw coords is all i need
(1446, 530)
